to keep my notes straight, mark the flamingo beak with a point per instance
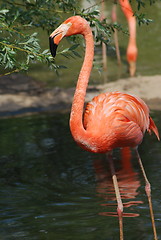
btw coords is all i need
(54, 40)
(57, 36)
(53, 46)
(132, 68)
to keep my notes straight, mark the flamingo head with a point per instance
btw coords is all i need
(131, 55)
(132, 68)
(71, 26)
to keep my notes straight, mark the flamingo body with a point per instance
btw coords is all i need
(116, 120)
(111, 119)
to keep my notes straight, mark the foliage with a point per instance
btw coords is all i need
(17, 19)
(141, 17)
(142, 3)
(20, 19)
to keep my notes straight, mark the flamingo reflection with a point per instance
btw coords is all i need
(128, 182)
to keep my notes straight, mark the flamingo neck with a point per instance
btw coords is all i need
(132, 30)
(132, 51)
(128, 12)
(76, 116)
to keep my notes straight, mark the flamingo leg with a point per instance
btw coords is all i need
(114, 19)
(118, 196)
(104, 57)
(148, 193)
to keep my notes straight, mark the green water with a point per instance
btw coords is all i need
(149, 53)
(51, 189)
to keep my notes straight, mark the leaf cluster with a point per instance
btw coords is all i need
(18, 48)
(142, 3)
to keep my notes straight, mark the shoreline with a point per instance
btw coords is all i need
(23, 95)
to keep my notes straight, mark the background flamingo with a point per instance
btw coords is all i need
(132, 50)
(110, 120)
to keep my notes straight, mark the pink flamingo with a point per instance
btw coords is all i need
(111, 119)
(132, 50)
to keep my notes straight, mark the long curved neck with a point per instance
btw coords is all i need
(76, 124)
(131, 53)
(132, 30)
(128, 12)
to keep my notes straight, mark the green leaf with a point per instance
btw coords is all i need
(45, 51)
(76, 54)
(73, 47)
(4, 11)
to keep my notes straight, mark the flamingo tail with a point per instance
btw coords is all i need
(152, 127)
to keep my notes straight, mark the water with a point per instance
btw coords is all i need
(51, 189)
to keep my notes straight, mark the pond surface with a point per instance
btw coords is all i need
(51, 189)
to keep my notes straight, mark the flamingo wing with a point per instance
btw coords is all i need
(118, 120)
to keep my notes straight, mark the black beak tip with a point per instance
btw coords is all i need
(53, 46)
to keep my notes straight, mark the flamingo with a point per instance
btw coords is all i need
(111, 120)
(132, 50)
